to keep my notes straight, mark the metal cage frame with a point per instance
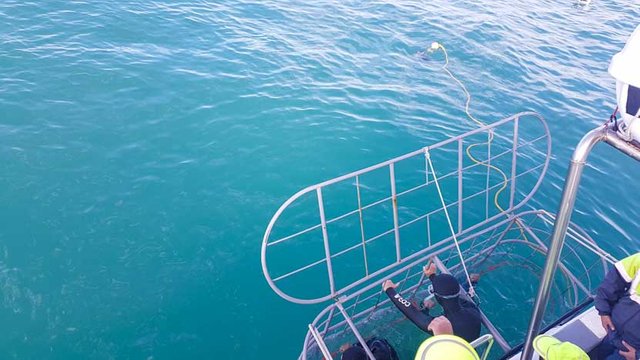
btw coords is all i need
(459, 141)
(478, 239)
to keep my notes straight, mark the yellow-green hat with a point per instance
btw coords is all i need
(446, 347)
(551, 348)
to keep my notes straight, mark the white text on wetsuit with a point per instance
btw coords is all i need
(402, 301)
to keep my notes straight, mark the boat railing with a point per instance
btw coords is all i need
(484, 340)
(606, 134)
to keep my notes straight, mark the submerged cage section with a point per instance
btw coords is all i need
(509, 256)
(454, 202)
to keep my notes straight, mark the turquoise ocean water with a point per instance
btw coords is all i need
(144, 146)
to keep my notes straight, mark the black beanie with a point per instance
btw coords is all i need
(445, 285)
(354, 353)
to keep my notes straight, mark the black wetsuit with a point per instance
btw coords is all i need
(380, 348)
(463, 314)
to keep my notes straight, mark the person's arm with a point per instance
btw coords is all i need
(421, 319)
(429, 270)
(613, 287)
(474, 282)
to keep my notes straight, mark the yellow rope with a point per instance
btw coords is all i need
(436, 46)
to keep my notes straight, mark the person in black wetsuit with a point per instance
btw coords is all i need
(380, 348)
(463, 314)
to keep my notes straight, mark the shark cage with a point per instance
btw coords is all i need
(461, 203)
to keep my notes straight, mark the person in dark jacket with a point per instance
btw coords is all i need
(463, 314)
(618, 304)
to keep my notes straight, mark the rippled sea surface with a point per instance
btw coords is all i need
(144, 145)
